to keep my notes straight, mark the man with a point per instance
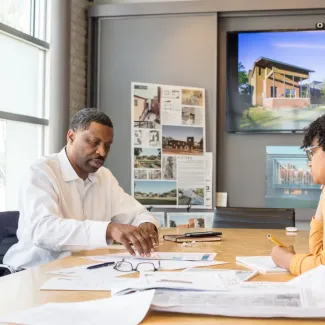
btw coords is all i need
(69, 202)
(314, 144)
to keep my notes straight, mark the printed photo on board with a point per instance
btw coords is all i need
(192, 97)
(191, 196)
(146, 106)
(192, 116)
(182, 140)
(140, 174)
(154, 174)
(137, 137)
(154, 138)
(147, 158)
(185, 220)
(169, 167)
(160, 216)
(155, 192)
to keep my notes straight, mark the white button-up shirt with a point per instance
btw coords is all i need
(61, 213)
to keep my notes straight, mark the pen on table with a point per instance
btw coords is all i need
(275, 241)
(97, 266)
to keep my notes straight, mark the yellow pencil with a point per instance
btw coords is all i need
(275, 241)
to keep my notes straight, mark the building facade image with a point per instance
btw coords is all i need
(276, 84)
(184, 145)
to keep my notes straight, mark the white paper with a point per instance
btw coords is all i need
(173, 281)
(191, 181)
(176, 256)
(164, 264)
(314, 280)
(285, 302)
(230, 299)
(242, 275)
(106, 271)
(261, 285)
(200, 280)
(208, 179)
(85, 283)
(261, 263)
(103, 311)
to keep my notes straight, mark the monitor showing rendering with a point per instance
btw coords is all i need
(275, 80)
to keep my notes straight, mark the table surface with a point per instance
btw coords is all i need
(21, 290)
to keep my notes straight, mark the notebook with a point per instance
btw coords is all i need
(261, 263)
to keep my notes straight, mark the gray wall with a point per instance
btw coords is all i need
(172, 50)
(157, 43)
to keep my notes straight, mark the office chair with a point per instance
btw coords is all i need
(253, 218)
(8, 229)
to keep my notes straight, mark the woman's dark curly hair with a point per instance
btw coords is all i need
(315, 130)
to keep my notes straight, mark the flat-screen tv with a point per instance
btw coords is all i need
(275, 80)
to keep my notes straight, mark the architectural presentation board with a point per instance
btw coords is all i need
(161, 217)
(169, 164)
(142, 36)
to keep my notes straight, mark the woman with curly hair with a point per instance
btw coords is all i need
(285, 257)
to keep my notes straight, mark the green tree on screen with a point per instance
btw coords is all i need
(243, 86)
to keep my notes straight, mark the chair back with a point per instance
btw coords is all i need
(8, 229)
(254, 218)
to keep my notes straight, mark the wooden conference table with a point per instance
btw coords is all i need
(21, 290)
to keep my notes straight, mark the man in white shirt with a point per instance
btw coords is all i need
(68, 202)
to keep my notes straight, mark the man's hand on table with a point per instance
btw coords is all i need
(282, 256)
(151, 229)
(142, 238)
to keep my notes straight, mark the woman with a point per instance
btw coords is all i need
(285, 257)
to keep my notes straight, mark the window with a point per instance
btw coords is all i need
(23, 82)
(274, 92)
(16, 14)
(135, 102)
(290, 93)
(27, 16)
(259, 71)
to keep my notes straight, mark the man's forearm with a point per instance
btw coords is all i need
(59, 234)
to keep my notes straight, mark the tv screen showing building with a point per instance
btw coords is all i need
(289, 183)
(275, 80)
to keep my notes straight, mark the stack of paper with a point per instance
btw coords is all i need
(193, 281)
(80, 278)
(285, 302)
(173, 281)
(86, 283)
(302, 297)
(239, 274)
(103, 311)
(107, 271)
(105, 278)
(260, 263)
